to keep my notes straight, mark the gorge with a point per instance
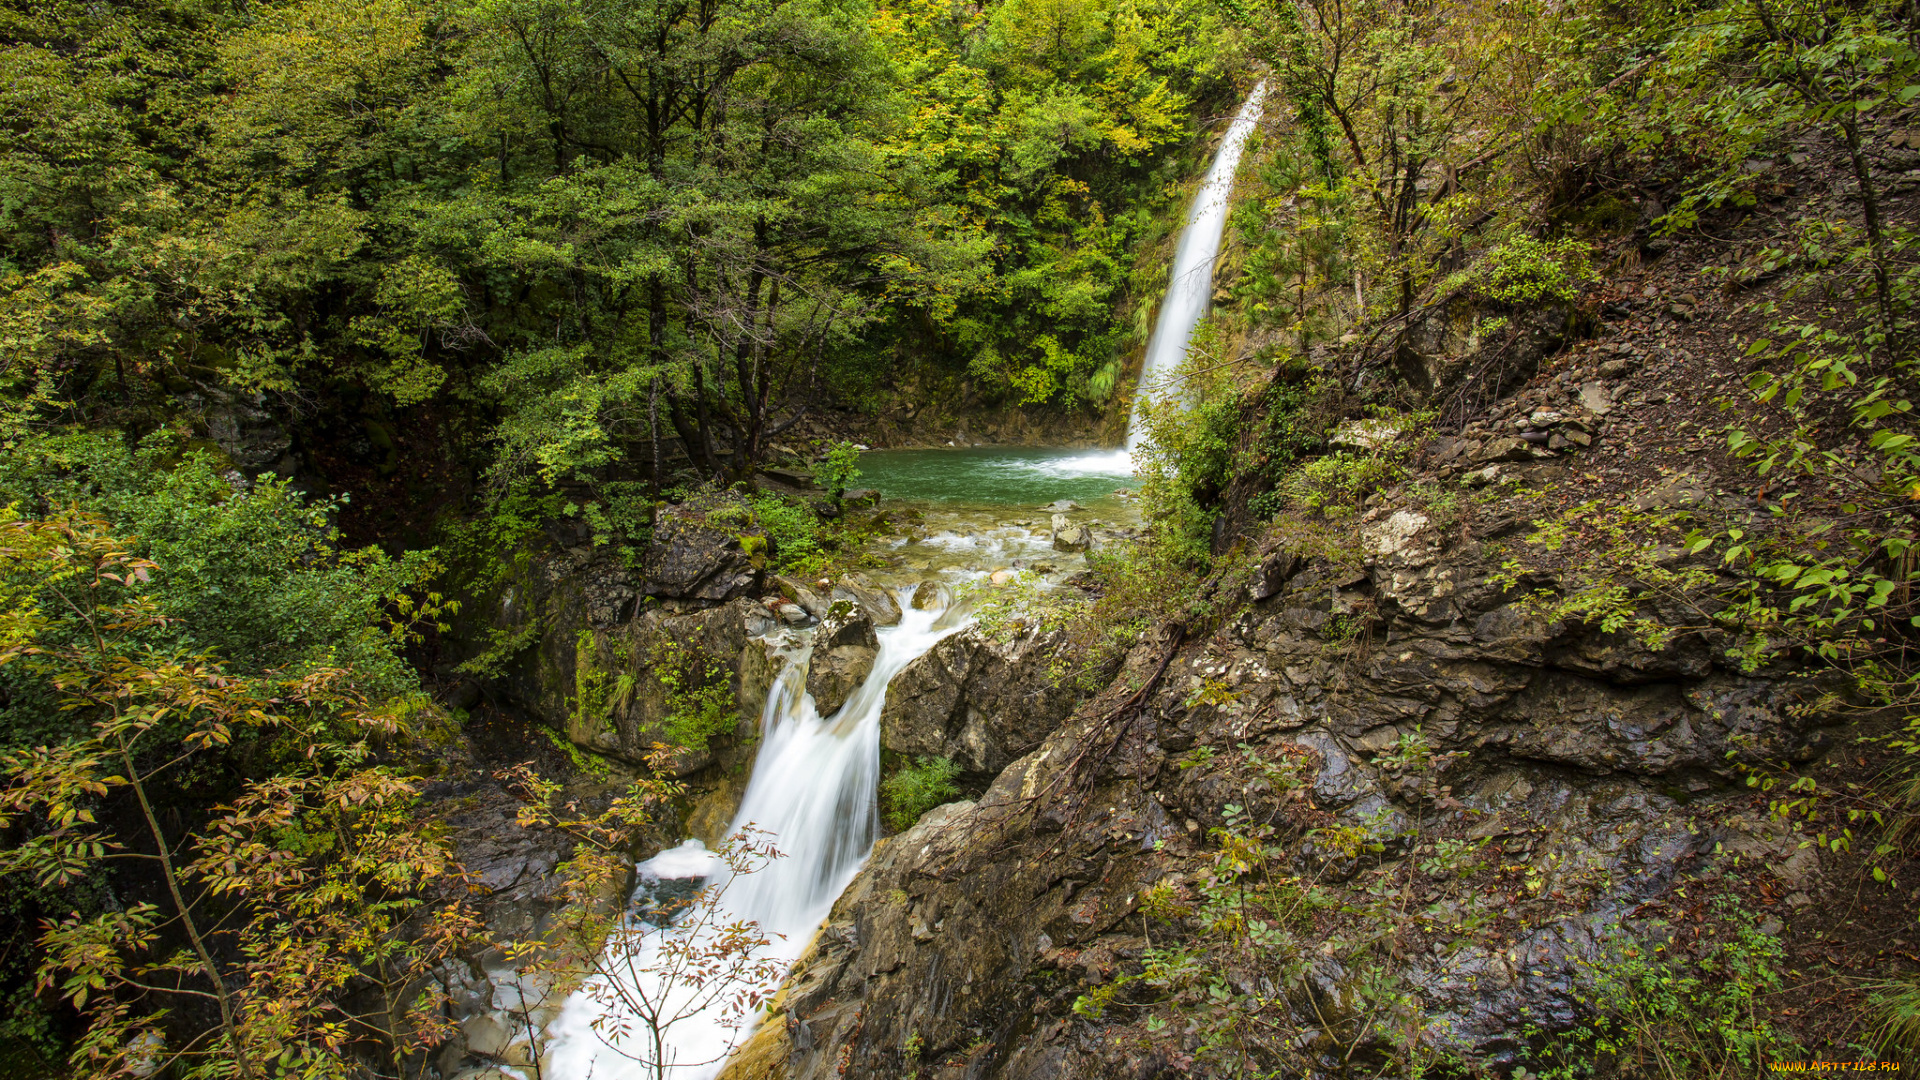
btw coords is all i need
(1022, 540)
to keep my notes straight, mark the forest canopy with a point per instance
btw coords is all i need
(579, 228)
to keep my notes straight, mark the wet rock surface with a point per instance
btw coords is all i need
(693, 557)
(844, 647)
(980, 702)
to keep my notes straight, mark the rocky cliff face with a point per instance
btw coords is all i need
(1382, 715)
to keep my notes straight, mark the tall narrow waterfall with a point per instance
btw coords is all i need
(813, 791)
(1190, 288)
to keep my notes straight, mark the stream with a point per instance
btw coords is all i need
(813, 790)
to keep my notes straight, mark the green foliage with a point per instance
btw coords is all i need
(916, 788)
(324, 876)
(254, 572)
(699, 696)
(794, 530)
(838, 468)
(1525, 270)
(1658, 1012)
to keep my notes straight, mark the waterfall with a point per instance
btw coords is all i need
(813, 790)
(1190, 287)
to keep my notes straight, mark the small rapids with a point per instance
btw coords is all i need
(813, 793)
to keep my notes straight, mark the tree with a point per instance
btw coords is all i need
(278, 907)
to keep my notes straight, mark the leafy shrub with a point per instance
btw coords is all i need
(1343, 479)
(838, 468)
(1525, 270)
(1658, 1013)
(699, 698)
(253, 573)
(916, 789)
(793, 528)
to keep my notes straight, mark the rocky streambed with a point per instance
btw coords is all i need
(600, 636)
(1494, 802)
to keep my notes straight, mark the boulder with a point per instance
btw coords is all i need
(795, 591)
(877, 600)
(977, 701)
(691, 559)
(843, 650)
(1273, 572)
(931, 596)
(1068, 536)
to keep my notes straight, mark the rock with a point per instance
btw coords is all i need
(1480, 478)
(1508, 449)
(1062, 506)
(692, 560)
(1440, 351)
(792, 478)
(1272, 574)
(843, 651)
(488, 1034)
(877, 600)
(1001, 577)
(1614, 369)
(1365, 434)
(1676, 492)
(799, 592)
(931, 596)
(1070, 537)
(860, 497)
(760, 621)
(794, 614)
(1396, 536)
(975, 701)
(1595, 398)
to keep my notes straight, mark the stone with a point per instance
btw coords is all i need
(1614, 369)
(1394, 536)
(1595, 398)
(876, 600)
(974, 700)
(794, 615)
(1001, 577)
(860, 497)
(931, 596)
(1272, 574)
(1070, 537)
(488, 1034)
(1676, 492)
(1365, 434)
(692, 560)
(843, 651)
(1508, 449)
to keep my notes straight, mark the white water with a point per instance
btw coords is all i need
(813, 789)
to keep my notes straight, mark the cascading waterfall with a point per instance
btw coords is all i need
(813, 791)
